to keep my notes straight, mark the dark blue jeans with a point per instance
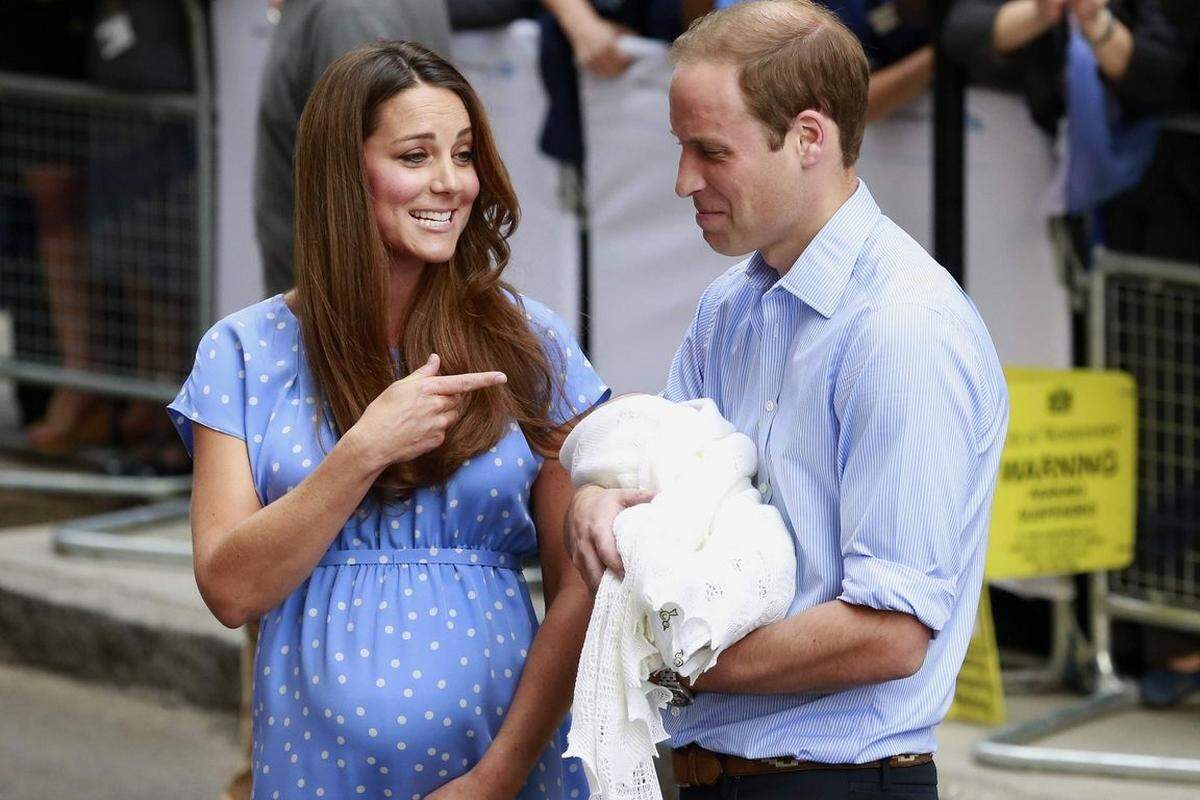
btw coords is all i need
(882, 783)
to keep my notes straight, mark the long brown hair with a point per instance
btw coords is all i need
(462, 310)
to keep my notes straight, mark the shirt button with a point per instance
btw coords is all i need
(770, 406)
(764, 489)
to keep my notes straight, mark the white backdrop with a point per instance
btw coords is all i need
(1011, 272)
(502, 66)
(649, 263)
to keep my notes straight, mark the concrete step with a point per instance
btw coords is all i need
(112, 620)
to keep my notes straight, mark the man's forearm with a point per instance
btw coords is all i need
(830, 647)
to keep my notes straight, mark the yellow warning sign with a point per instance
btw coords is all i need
(979, 694)
(1065, 492)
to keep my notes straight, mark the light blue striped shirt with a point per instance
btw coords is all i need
(871, 386)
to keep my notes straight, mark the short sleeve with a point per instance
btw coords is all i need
(910, 401)
(214, 394)
(578, 388)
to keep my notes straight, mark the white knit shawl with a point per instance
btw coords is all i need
(706, 562)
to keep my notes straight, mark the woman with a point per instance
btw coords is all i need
(377, 525)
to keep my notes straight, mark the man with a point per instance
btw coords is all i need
(874, 394)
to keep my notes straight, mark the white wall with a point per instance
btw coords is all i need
(240, 36)
(1011, 272)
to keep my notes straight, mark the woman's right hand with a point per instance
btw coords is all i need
(410, 418)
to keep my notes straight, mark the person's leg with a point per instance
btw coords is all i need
(71, 418)
(239, 785)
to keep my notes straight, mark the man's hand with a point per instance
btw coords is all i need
(589, 530)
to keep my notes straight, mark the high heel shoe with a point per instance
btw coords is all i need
(64, 429)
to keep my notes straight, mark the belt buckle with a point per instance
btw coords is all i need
(782, 762)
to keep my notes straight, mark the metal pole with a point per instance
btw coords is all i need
(949, 197)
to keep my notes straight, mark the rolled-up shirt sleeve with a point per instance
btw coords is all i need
(909, 403)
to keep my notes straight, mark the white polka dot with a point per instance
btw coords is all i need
(286, 429)
(296, 448)
(341, 678)
(275, 467)
(499, 462)
(258, 438)
(416, 674)
(264, 377)
(434, 645)
(225, 399)
(306, 462)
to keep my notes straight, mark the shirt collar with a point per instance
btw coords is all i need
(819, 276)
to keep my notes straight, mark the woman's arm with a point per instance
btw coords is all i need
(1142, 55)
(248, 557)
(544, 693)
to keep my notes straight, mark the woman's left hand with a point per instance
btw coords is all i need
(467, 786)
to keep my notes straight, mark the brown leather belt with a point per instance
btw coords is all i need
(695, 766)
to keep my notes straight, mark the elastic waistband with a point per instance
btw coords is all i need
(422, 555)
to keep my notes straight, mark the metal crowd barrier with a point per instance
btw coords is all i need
(1145, 319)
(113, 297)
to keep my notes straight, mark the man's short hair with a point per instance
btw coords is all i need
(792, 55)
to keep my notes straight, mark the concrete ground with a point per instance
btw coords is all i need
(109, 621)
(64, 738)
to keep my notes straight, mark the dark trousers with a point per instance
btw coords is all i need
(880, 783)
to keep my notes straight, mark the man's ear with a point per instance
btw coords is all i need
(811, 136)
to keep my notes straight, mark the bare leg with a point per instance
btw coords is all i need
(71, 415)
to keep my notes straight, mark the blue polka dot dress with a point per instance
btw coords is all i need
(389, 671)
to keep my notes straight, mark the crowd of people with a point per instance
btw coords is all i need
(375, 444)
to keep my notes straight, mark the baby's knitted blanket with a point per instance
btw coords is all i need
(706, 562)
